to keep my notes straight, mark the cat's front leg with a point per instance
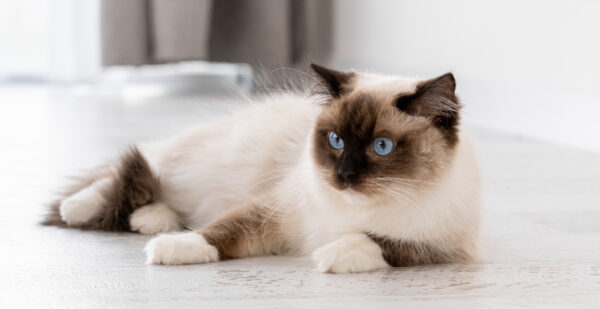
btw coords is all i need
(249, 231)
(351, 253)
(180, 248)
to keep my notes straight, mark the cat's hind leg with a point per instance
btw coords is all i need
(79, 208)
(154, 218)
(107, 202)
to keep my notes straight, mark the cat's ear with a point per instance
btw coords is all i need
(433, 98)
(436, 100)
(334, 82)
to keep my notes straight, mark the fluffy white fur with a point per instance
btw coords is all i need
(154, 218)
(82, 206)
(351, 253)
(264, 152)
(181, 248)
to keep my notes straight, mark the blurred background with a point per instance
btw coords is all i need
(82, 79)
(529, 68)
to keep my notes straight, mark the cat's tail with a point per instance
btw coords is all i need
(104, 199)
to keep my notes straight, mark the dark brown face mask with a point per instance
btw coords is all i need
(418, 130)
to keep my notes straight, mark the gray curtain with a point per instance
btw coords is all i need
(268, 33)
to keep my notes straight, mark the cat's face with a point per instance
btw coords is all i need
(384, 135)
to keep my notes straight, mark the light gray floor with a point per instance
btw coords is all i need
(540, 239)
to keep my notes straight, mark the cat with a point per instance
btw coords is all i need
(375, 174)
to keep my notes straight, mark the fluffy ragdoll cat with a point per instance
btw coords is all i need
(378, 175)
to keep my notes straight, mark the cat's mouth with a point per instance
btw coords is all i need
(350, 185)
(348, 188)
(355, 197)
(351, 191)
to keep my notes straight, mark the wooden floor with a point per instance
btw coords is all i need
(540, 238)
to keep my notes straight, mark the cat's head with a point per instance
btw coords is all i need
(384, 135)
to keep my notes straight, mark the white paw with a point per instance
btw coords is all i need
(82, 206)
(182, 248)
(154, 218)
(352, 253)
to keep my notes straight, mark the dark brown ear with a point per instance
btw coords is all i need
(333, 81)
(436, 100)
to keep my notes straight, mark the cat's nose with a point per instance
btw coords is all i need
(347, 174)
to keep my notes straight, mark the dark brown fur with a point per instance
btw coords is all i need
(244, 232)
(132, 185)
(436, 100)
(333, 83)
(400, 253)
(358, 119)
(422, 125)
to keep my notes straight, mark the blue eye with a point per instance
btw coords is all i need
(335, 141)
(383, 146)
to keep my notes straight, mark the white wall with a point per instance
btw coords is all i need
(56, 40)
(23, 33)
(74, 46)
(527, 67)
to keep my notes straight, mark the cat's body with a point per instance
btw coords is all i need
(214, 168)
(263, 181)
